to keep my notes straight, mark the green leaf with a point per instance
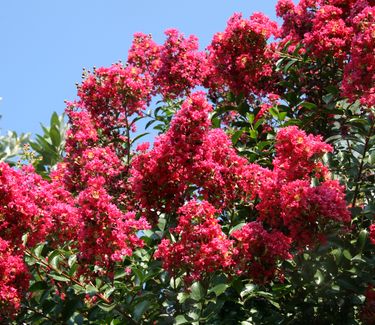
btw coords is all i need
(328, 98)
(249, 289)
(140, 309)
(175, 282)
(348, 284)
(55, 261)
(274, 111)
(219, 289)
(318, 277)
(308, 105)
(282, 116)
(236, 227)
(55, 136)
(139, 136)
(119, 274)
(70, 307)
(182, 296)
(371, 158)
(347, 254)
(149, 123)
(72, 260)
(236, 136)
(289, 65)
(107, 307)
(59, 278)
(138, 273)
(38, 286)
(362, 239)
(91, 290)
(161, 224)
(180, 319)
(337, 253)
(109, 291)
(250, 117)
(253, 134)
(197, 292)
(55, 121)
(38, 250)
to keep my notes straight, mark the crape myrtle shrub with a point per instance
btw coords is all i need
(254, 205)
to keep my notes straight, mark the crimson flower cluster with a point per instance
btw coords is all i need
(14, 279)
(287, 198)
(31, 211)
(176, 67)
(189, 158)
(97, 163)
(22, 201)
(201, 247)
(257, 252)
(340, 29)
(192, 159)
(102, 195)
(240, 58)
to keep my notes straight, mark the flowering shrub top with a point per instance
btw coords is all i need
(254, 204)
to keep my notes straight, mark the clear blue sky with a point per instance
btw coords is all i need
(46, 43)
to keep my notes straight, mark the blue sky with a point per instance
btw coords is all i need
(45, 44)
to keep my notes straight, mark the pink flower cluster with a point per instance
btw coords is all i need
(359, 73)
(177, 66)
(192, 159)
(341, 29)
(287, 198)
(22, 201)
(31, 207)
(107, 234)
(239, 59)
(108, 99)
(14, 280)
(296, 154)
(201, 247)
(306, 210)
(258, 251)
(145, 54)
(108, 226)
(111, 94)
(189, 159)
(95, 168)
(97, 197)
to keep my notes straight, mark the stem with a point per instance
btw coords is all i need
(358, 180)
